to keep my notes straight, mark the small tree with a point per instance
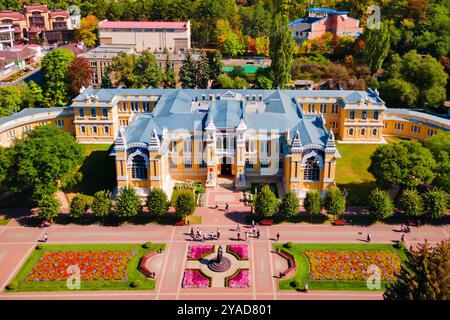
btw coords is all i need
(188, 72)
(313, 202)
(266, 202)
(380, 204)
(435, 203)
(168, 77)
(185, 203)
(101, 205)
(78, 206)
(128, 203)
(410, 202)
(289, 205)
(157, 202)
(334, 201)
(203, 71)
(49, 206)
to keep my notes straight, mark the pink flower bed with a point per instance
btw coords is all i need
(200, 251)
(193, 278)
(241, 280)
(240, 250)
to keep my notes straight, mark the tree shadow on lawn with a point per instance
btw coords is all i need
(357, 193)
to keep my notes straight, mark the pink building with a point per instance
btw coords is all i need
(321, 20)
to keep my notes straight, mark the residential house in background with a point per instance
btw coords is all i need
(321, 20)
(156, 36)
(38, 23)
(6, 36)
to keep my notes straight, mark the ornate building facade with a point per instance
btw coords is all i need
(166, 135)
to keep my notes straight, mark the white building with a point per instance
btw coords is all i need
(6, 36)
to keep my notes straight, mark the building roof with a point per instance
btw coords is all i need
(327, 10)
(36, 6)
(107, 51)
(31, 115)
(11, 14)
(22, 54)
(143, 24)
(59, 13)
(417, 117)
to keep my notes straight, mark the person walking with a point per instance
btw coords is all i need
(227, 207)
(239, 236)
(45, 237)
(368, 238)
(403, 238)
(237, 228)
(258, 234)
(218, 233)
(246, 236)
(278, 236)
(253, 223)
(192, 232)
(217, 205)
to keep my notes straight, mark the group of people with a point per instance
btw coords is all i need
(405, 228)
(226, 209)
(200, 235)
(255, 232)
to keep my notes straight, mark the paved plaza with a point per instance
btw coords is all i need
(17, 242)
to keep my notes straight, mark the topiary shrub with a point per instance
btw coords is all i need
(147, 245)
(136, 284)
(39, 247)
(12, 285)
(288, 245)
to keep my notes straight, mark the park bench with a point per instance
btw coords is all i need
(266, 222)
(340, 222)
(291, 262)
(143, 264)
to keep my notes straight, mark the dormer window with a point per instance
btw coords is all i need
(253, 97)
(211, 97)
(203, 97)
(247, 97)
(260, 98)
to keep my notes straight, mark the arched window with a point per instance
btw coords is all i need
(375, 115)
(352, 115)
(312, 170)
(364, 115)
(350, 132)
(374, 131)
(363, 132)
(139, 168)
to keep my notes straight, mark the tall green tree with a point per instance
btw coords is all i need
(435, 203)
(78, 206)
(34, 96)
(43, 159)
(101, 204)
(188, 72)
(106, 79)
(334, 201)
(56, 83)
(185, 203)
(216, 66)
(266, 202)
(410, 202)
(10, 100)
(426, 275)
(313, 202)
(376, 47)
(48, 206)
(407, 164)
(146, 70)
(128, 203)
(203, 71)
(380, 204)
(157, 203)
(439, 145)
(168, 77)
(123, 68)
(289, 205)
(281, 48)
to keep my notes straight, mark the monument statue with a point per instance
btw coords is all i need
(219, 254)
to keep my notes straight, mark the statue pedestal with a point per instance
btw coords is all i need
(221, 266)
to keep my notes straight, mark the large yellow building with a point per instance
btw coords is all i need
(167, 135)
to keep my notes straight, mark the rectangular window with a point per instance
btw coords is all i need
(105, 113)
(187, 146)
(134, 106)
(323, 108)
(81, 113)
(83, 129)
(60, 123)
(106, 130)
(146, 106)
(431, 132)
(123, 106)
(311, 108)
(187, 163)
(415, 129)
(94, 130)
(398, 126)
(296, 169)
(93, 113)
(202, 164)
(248, 165)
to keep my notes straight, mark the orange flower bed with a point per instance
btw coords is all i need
(352, 265)
(94, 265)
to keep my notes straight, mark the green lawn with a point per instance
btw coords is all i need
(4, 222)
(351, 170)
(132, 270)
(303, 267)
(98, 169)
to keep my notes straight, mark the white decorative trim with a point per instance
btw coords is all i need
(137, 152)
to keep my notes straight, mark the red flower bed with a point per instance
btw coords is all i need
(94, 265)
(352, 265)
